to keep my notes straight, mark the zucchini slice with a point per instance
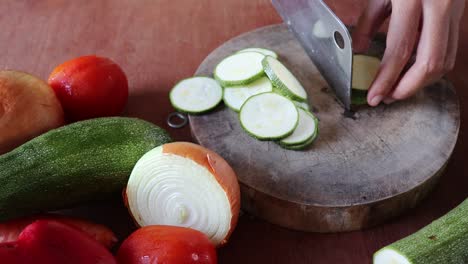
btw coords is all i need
(299, 146)
(306, 129)
(302, 105)
(196, 95)
(235, 96)
(365, 69)
(269, 116)
(263, 51)
(240, 68)
(283, 79)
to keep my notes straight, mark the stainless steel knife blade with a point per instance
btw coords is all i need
(325, 39)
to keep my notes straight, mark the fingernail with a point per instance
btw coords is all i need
(389, 101)
(376, 100)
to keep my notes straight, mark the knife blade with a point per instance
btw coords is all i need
(325, 39)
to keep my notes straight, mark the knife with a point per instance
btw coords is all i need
(325, 39)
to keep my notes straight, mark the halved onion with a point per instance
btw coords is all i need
(184, 184)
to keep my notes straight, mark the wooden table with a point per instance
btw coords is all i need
(158, 42)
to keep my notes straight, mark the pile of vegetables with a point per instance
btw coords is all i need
(271, 102)
(185, 198)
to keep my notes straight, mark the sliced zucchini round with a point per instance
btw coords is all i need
(302, 105)
(283, 79)
(269, 116)
(299, 146)
(306, 129)
(196, 95)
(365, 69)
(240, 68)
(235, 96)
(263, 51)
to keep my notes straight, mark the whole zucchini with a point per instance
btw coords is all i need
(81, 162)
(444, 241)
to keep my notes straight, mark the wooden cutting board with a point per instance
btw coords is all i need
(359, 172)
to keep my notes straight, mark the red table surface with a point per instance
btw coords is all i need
(157, 43)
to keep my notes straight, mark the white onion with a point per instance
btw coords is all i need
(169, 189)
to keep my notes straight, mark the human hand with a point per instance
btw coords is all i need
(429, 26)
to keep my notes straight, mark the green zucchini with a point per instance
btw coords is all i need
(235, 96)
(444, 241)
(358, 97)
(285, 82)
(302, 105)
(269, 116)
(240, 69)
(81, 162)
(196, 95)
(306, 129)
(365, 69)
(298, 146)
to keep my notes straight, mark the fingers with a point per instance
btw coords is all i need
(431, 56)
(401, 39)
(454, 35)
(369, 23)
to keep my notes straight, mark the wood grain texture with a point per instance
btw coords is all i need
(358, 173)
(158, 42)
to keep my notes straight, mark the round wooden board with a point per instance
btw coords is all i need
(358, 173)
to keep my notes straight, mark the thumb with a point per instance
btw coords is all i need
(369, 23)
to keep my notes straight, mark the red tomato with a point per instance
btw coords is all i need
(90, 87)
(167, 245)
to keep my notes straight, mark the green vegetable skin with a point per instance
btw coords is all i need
(444, 241)
(81, 162)
(358, 97)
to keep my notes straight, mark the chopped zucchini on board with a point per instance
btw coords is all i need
(305, 130)
(196, 95)
(235, 96)
(269, 116)
(286, 83)
(240, 68)
(365, 69)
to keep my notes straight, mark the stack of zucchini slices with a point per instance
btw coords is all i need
(271, 102)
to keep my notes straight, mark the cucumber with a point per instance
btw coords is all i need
(306, 129)
(235, 96)
(444, 241)
(283, 79)
(263, 51)
(196, 95)
(269, 116)
(85, 161)
(239, 69)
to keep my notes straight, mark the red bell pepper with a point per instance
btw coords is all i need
(51, 242)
